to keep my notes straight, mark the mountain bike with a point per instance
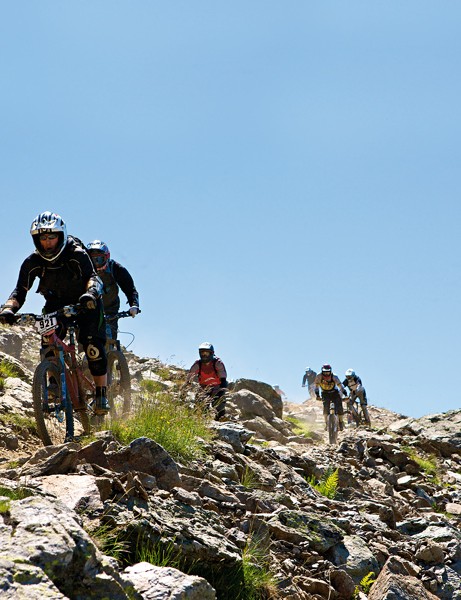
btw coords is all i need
(359, 414)
(60, 388)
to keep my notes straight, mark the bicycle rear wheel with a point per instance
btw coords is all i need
(53, 415)
(118, 383)
(366, 416)
(333, 426)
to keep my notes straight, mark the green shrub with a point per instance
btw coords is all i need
(364, 585)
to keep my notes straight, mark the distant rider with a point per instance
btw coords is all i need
(210, 372)
(114, 277)
(357, 393)
(332, 389)
(66, 276)
(309, 379)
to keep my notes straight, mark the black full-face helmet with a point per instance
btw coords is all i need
(99, 253)
(327, 370)
(49, 223)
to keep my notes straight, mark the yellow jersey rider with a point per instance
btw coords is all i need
(332, 389)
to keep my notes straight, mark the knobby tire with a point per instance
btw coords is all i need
(333, 427)
(52, 419)
(118, 383)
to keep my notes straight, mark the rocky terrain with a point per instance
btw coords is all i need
(392, 510)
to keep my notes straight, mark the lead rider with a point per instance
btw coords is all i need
(66, 276)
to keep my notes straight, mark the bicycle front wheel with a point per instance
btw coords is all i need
(53, 415)
(333, 425)
(118, 383)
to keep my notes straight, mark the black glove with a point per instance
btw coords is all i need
(7, 316)
(88, 301)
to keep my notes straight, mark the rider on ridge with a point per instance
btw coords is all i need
(66, 276)
(332, 389)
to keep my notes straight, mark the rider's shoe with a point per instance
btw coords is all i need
(101, 404)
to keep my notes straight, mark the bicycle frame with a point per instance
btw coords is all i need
(71, 374)
(73, 382)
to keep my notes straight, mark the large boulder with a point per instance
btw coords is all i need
(264, 390)
(436, 432)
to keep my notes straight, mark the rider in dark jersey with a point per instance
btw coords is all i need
(332, 389)
(114, 277)
(357, 392)
(309, 379)
(66, 276)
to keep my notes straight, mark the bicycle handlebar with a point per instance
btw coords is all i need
(119, 315)
(71, 310)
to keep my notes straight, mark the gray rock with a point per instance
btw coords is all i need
(264, 390)
(166, 583)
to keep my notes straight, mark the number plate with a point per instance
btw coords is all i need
(46, 324)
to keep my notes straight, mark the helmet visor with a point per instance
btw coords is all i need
(99, 260)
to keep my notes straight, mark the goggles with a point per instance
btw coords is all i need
(47, 236)
(98, 259)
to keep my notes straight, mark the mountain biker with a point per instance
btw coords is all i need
(66, 276)
(114, 277)
(332, 389)
(309, 378)
(210, 372)
(357, 392)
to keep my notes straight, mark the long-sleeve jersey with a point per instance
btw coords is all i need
(309, 377)
(114, 276)
(328, 385)
(354, 383)
(61, 282)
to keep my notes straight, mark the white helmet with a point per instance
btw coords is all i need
(48, 222)
(350, 373)
(206, 351)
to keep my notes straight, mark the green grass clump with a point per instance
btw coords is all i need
(20, 421)
(328, 485)
(150, 387)
(110, 541)
(299, 427)
(160, 554)
(258, 581)
(176, 426)
(427, 464)
(248, 478)
(7, 369)
(15, 494)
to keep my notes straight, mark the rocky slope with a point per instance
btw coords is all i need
(396, 511)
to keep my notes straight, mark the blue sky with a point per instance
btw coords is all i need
(281, 179)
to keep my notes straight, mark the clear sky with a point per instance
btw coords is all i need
(281, 178)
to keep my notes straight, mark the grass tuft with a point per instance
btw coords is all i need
(259, 583)
(161, 416)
